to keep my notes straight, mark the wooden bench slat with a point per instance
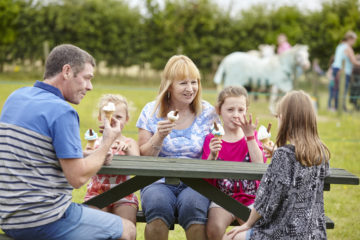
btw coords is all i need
(140, 217)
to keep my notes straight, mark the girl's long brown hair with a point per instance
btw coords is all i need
(298, 124)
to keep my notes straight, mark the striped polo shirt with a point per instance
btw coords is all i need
(37, 127)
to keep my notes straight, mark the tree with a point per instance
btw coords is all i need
(9, 11)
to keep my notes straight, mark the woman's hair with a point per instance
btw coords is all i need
(298, 124)
(349, 35)
(115, 99)
(231, 91)
(179, 67)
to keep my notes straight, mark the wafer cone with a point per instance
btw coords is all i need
(108, 115)
(217, 154)
(91, 143)
(265, 141)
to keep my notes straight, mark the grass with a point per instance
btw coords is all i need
(341, 135)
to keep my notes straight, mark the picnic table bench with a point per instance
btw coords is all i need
(192, 172)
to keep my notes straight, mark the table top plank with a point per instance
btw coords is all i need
(182, 167)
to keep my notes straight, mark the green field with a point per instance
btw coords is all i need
(341, 135)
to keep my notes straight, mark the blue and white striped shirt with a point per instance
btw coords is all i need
(37, 127)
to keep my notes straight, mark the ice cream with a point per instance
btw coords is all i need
(91, 137)
(264, 134)
(218, 131)
(173, 115)
(109, 109)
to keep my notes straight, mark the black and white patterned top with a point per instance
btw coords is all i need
(290, 199)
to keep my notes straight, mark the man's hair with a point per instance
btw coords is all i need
(66, 54)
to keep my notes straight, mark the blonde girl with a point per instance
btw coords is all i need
(289, 202)
(239, 144)
(127, 206)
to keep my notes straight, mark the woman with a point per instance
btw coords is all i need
(289, 202)
(180, 90)
(343, 52)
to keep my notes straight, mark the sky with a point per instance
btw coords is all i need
(234, 6)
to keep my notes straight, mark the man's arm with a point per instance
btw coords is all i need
(79, 170)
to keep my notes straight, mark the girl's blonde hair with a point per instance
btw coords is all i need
(298, 124)
(115, 99)
(231, 91)
(179, 67)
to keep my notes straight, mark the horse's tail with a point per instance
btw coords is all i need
(219, 75)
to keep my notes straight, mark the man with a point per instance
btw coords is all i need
(41, 158)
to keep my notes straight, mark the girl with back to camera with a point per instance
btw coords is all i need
(289, 202)
(239, 144)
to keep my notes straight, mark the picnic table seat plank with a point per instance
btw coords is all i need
(140, 217)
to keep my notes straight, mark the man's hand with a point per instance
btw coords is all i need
(110, 131)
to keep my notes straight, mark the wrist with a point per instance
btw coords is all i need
(249, 138)
(155, 145)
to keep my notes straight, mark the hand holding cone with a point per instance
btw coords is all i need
(218, 132)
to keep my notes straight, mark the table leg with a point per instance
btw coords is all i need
(214, 194)
(121, 190)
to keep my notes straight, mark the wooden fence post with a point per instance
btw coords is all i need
(46, 49)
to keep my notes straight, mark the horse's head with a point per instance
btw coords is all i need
(302, 56)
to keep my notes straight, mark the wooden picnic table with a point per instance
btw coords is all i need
(147, 170)
(192, 172)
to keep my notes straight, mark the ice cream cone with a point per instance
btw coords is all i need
(217, 153)
(264, 134)
(109, 109)
(218, 132)
(108, 115)
(91, 137)
(265, 141)
(173, 115)
(91, 143)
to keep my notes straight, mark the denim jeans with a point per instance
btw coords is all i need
(78, 222)
(166, 201)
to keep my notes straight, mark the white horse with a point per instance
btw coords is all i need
(264, 51)
(244, 69)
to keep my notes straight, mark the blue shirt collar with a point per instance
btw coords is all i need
(49, 88)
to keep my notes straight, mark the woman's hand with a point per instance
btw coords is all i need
(165, 127)
(236, 230)
(247, 126)
(215, 147)
(269, 149)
